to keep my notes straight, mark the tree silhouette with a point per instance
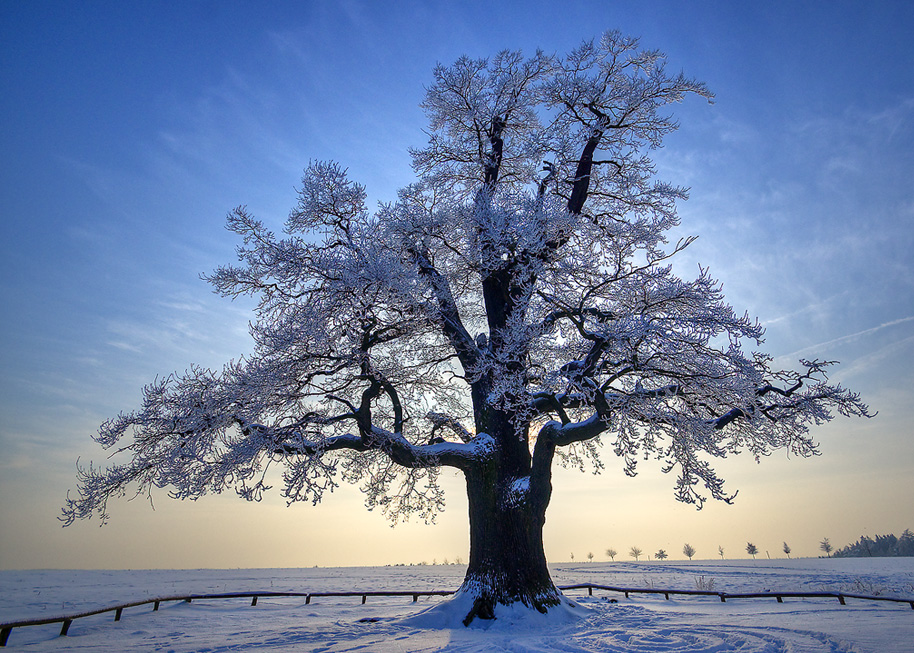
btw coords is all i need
(883, 545)
(688, 550)
(515, 304)
(635, 552)
(751, 549)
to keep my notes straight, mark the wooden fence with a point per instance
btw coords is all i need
(66, 621)
(723, 596)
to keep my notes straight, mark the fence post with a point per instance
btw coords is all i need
(364, 598)
(780, 599)
(65, 628)
(416, 598)
(117, 614)
(155, 607)
(307, 599)
(254, 601)
(841, 599)
(5, 633)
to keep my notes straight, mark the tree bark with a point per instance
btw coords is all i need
(507, 563)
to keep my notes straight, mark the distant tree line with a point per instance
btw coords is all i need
(882, 546)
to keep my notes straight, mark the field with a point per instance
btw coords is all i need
(639, 623)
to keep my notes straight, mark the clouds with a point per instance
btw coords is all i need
(815, 209)
(180, 329)
(851, 337)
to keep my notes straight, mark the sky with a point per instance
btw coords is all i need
(129, 130)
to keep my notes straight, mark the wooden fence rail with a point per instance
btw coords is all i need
(118, 610)
(723, 596)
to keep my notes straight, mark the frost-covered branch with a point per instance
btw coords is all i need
(196, 434)
(685, 424)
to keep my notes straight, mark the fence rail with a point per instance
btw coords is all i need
(723, 596)
(67, 620)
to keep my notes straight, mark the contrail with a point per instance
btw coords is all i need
(852, 336)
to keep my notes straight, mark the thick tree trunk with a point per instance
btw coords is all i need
(507, 512)
(507, 563)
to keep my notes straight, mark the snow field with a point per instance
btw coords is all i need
(642, 623)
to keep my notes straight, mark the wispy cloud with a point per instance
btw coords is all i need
(891, 351)
(816, 307)
(849, 338)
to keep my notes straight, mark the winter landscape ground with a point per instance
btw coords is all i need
(640, 623)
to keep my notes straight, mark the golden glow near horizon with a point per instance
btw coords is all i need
(122, 158)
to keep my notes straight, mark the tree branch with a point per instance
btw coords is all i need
(452, 325)
(397, 448)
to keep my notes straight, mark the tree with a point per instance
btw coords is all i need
(883, 545)
(501, 315)
(751, 549)
(688, 550)
(590, 556)
(720, 551)
(635, 552)
(825, 545)
(786, 549)
(611, 553)
(661, 555)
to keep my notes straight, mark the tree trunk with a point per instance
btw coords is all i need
(507, 563)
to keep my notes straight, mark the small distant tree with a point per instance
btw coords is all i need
(787, 549)
(688, 550)
(661, 555)
(751, 549)
(572, 557)
(720, 551)
(612, 553)
(635, 552)
(590, 556)
(825, 545)
(905, 544)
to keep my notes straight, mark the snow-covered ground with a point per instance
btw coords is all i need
(640, 623)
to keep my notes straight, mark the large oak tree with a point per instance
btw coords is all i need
(515, 305)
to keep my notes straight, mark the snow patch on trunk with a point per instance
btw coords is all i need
(517, 492)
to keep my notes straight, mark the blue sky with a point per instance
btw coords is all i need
(129, 130)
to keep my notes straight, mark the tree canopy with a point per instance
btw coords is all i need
(516, 303)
